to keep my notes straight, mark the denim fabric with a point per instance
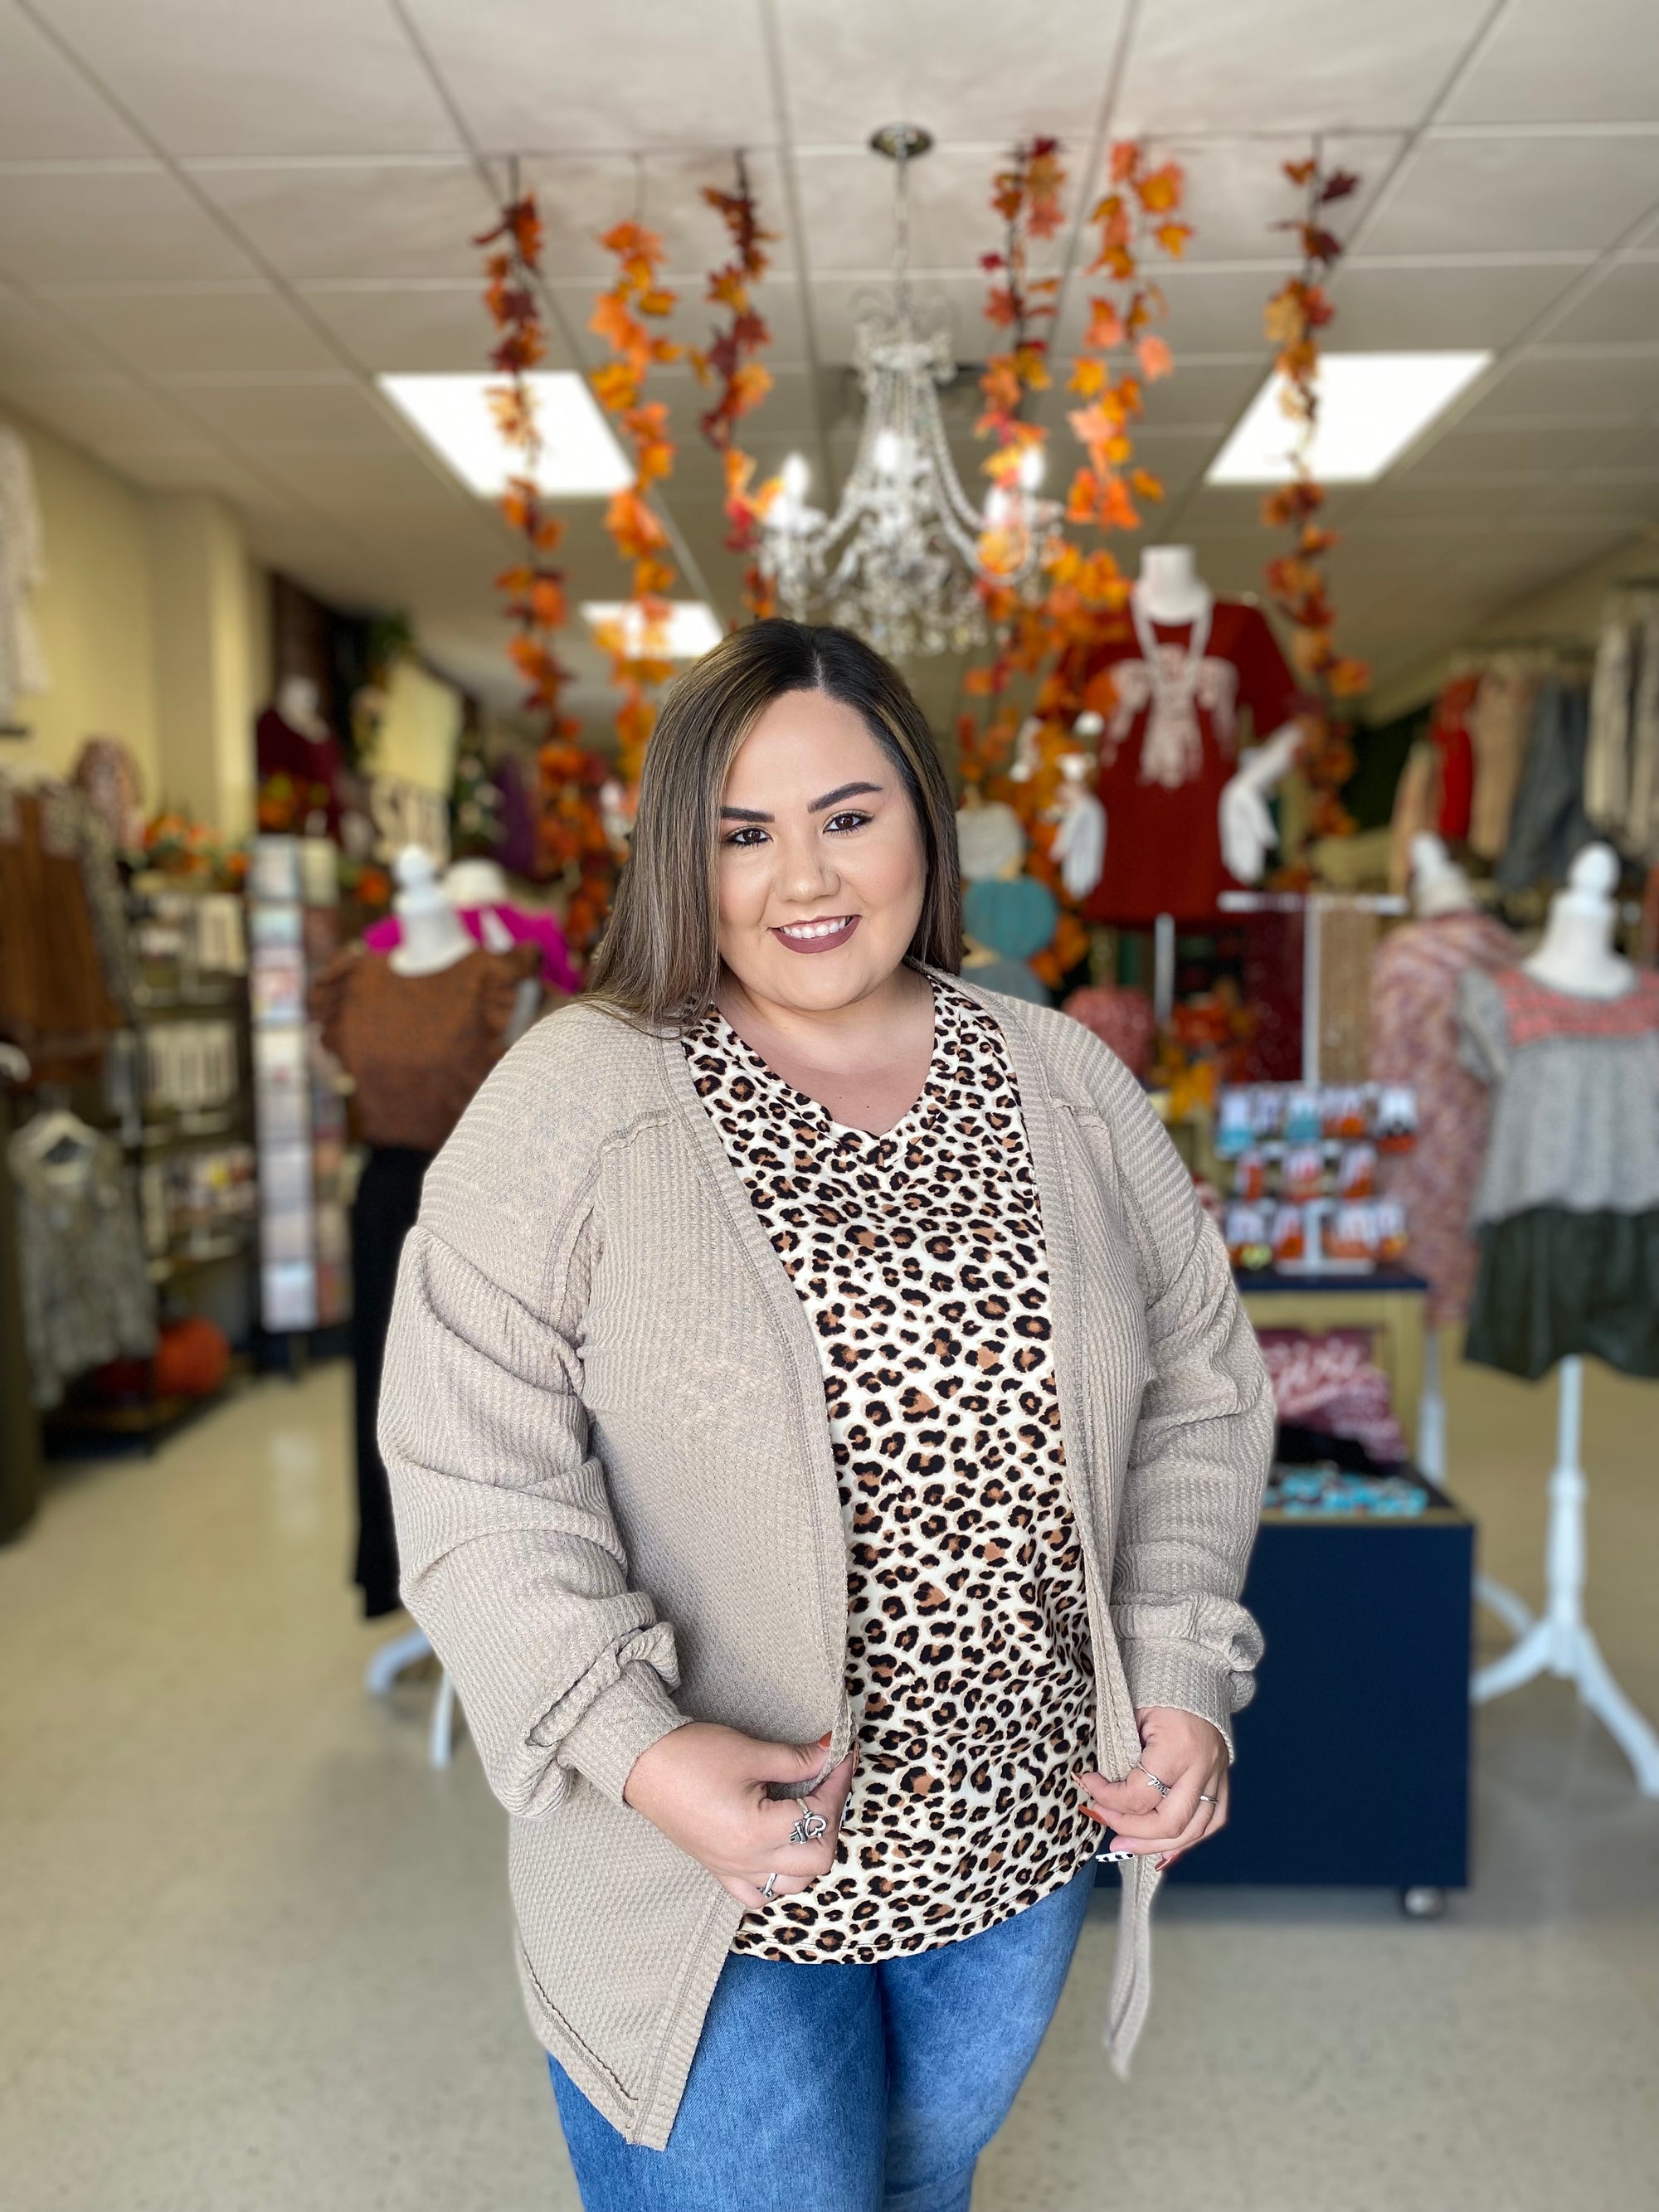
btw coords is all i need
(1549, 823)
(844, 2088)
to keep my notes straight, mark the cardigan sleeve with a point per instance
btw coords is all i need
(510, 1557)
(1199, 1460)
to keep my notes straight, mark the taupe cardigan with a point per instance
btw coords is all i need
(603, 1415)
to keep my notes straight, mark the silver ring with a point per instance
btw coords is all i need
(769, 1888)
(1162, 1788)
(808, 1829)
(1204, 1798)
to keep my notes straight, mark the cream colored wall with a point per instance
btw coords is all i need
(421, 728)
(92, 611)
(202, 607)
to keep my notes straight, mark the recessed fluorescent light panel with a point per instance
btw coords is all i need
(580, 458)
(1371, 406)
(692, 628)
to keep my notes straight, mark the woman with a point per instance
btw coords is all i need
(826, 1446)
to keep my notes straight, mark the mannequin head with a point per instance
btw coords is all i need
(1170, 588)
(433, 936)
(298, 703)
(1438, 885)
(1577, 954)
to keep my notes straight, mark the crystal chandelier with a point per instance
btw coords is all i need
(903, 558)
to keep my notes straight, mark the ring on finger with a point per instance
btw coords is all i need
(1162, 1788)
(1204, 1798)
(809, 1828)
(769, 1887)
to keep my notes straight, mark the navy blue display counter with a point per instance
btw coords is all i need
(1353, 1757)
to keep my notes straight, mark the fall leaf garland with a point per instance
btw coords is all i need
(570, 828)
(533, 588)
(1054, 640)
(636, 640)
(740, 381)
(1297, 582)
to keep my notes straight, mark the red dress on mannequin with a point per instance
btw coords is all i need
(1169, 746)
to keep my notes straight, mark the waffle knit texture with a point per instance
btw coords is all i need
(603, 1417)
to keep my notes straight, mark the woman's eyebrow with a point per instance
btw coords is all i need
(842, 791)
(742, 814)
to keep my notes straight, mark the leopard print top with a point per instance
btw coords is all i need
(919, 1256)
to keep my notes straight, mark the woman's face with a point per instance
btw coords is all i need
(821, 866)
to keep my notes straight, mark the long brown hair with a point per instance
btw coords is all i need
(659, 963)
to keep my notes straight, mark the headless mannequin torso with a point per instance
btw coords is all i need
(433, 937)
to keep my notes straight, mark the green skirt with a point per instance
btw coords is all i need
(1553, 1283)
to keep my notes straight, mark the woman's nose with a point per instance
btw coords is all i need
(805, 870)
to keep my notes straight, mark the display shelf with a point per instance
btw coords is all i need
(1390, 1301)
(87, 1429)
(1354, 1758)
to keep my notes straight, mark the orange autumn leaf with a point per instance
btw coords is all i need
(1155, 359)
(1088, 377)
(1160, 191)
(1105, 326)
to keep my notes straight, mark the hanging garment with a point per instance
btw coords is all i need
(1448, 734)
(388, 1199)
(1499, 724)
(83, 1278)
(23, 669)
(62, 931)
(1568, 1203)
(417, 1047)
(316, 769)
(1621, 773)
(1415, 980)
(1549, 823)
(1416, 810)
(1170, 747)
(523, 927)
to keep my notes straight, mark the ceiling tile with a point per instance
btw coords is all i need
(1576, 387)
(581, 195)
(1237, 192)
(34, 339)
(1471, 453)
(1386, 309)
(1594, 62)
(181, 464)
(431, 327)
(964, 69)
(1262, 64)
(632, 74)
(98, 413)
(46, 107)
(306, 77)
(336, 414)
(341, 483)
(413, 220)
(1213, 394)
(167, 332)
(1622, 305)
(1485, 194)
(101, 225)
(847, 202)
(1411, 499)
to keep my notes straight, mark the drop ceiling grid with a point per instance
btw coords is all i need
(342, 212)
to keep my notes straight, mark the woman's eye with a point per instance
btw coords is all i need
(848, 821)
(750, 834)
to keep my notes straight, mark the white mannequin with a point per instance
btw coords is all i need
(434, 937)
(1438, 885)
(1079, 843)
(476, 883)
(1576, 955)
(298, 705)
(1170, 591)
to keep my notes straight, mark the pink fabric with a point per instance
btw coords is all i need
(1120, 1016)
(523, 928)
(1329, 1382)
(1414, 1041)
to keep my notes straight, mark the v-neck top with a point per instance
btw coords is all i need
(918, 1255)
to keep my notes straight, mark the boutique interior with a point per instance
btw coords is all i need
(1240, 424)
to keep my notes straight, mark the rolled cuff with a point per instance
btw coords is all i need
(625, 1720)
(1165, 1674)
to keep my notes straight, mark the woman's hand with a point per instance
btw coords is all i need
(1184, 1752)
(706, 1788)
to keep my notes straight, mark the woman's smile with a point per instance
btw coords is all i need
(822, 935)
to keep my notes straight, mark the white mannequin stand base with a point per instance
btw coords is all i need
(382, 1672)
(1559, 1643)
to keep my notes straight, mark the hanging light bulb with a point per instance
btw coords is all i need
(901, 561)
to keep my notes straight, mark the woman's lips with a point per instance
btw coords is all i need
(822, 935)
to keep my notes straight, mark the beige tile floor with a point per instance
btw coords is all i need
(253, 1954)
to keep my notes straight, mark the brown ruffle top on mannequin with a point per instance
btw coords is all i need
(417, 1047)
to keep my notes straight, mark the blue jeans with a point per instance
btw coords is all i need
(844, 2088)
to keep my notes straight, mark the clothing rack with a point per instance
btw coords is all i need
(20, 1427)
